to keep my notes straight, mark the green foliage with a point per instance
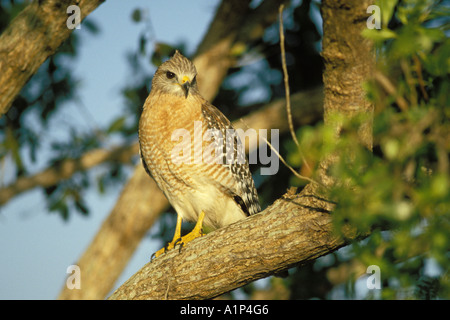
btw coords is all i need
(400, 192)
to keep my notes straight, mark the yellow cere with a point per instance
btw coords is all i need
(185, 79)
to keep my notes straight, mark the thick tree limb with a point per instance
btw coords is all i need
(213, 57)
(234, 24)
(33, 36)
(295, 230)
(117, 239)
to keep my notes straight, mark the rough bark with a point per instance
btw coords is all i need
(295, 230)
(34, 35)
(349, 61)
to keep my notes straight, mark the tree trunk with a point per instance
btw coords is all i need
(349, 61)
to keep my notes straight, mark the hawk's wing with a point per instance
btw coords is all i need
(233, 158)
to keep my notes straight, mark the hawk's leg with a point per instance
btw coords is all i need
(195, 233)
(173, 243)
(177, 240)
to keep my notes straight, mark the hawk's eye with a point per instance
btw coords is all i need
(170, 75)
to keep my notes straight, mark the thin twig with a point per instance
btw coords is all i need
(286, 87)
(391, 89)
(166, 294)
(284, 162)
(418, 68)
(286, 76)
(410, 81)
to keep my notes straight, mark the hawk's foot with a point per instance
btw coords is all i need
(194, 234)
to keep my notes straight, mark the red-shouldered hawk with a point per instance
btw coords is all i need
(216, 190)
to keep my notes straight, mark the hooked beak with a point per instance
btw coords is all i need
(186, 85)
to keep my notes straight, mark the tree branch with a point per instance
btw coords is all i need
(34, 35)
(118, 236)
(66, 168)
(234, 24)
(213, 58)
(295, 230)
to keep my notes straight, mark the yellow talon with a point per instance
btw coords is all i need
(177, 240)
(196, 232)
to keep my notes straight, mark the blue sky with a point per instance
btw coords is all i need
(37, 247)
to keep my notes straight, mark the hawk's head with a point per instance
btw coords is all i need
(176, 76)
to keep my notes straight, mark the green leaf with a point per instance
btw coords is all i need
(438, 63)
(136, 16)
(162, 51)
(387, 9)
(142, 44)
(379, 35)
(101, 184)
(81, 207)
(117, 125)
(60, 206)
